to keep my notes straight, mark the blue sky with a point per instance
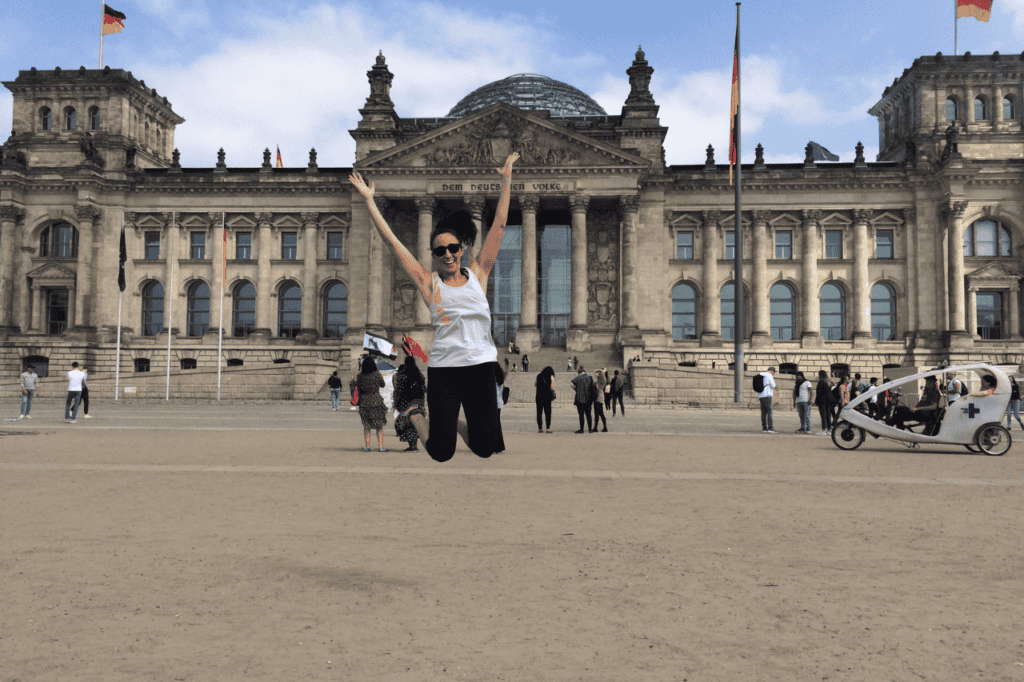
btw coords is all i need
(250, 75)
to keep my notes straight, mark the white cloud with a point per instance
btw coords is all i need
(181, 18)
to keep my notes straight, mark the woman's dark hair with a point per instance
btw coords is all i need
(499, 374)
(369, 365)
(988, 379)
(460, 225)
(822, 375)
(545, 376)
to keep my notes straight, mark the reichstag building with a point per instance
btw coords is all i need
(913, 258)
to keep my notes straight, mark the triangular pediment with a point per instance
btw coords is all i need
(51, 272)
(333, 221)
(994, 273)
(195, 222)
(485, 138)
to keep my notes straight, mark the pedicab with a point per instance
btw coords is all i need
(973, 421)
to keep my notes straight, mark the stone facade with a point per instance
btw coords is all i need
(909, 260)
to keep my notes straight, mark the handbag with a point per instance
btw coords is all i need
(355, 396)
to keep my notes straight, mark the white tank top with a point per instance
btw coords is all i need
(461, 318)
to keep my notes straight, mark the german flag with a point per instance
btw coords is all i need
(735, 103)
(979, 9)
(113, 21)
(279, 163)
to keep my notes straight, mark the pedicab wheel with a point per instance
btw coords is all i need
(972, 447)
(846, 436)
(993, 439)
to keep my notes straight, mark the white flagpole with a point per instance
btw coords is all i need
(170, 309)
(220, 324)
(117, 361)
(103, 14)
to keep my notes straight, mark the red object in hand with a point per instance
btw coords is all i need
(355, 396)
(410, 347)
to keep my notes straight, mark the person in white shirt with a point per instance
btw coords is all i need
(802, 395)
(766, 397)
(75, 379)
(953, 389)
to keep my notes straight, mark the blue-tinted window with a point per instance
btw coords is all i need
(684, 245)
(784, 244)
(684, 312)
(884, 244)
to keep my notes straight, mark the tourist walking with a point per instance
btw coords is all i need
(29, 383)
(606, 391)
(503, 394)
(526, 362)
(334, 383)
(585, 391)
(600, 381)
(71, 403)
(873, 407)
(410, 387)
(85, 393)
(1013, 407)
(618, 389)
(766, 397)
(825, 401)
(802, 396)
(352, 392)
(568, 365)
(463, 356)
(372, 411)
(545, 395)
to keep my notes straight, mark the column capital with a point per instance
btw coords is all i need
(11, 214)
(129, 219)
(529, 203)
(973, 288)
(811, 216)
(861, 215)
(310, 219)
(215, 217)
(629, 203)
(668, 217)
(475, 206)
(759, 216)
(87, 213)
(954, 210)
(711, 218)
(263, 219)
(424, 204)
(579, 203)
(910, 214)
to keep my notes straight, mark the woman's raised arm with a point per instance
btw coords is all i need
(420, 276)
(489, 251)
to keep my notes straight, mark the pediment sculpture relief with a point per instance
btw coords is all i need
(490, 144)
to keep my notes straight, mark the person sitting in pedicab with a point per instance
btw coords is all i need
(988, 387)
(925, 409)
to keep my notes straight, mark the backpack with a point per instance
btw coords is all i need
(592, 393)
(963, 389)
(950, 388)
(837, 394)
(758, 382)
(505, 393)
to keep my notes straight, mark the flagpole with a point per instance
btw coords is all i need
(223, 276)
(170, 333)
(738, 224)
(956, 26)
(103, 12)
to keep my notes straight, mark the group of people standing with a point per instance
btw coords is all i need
(77, 396)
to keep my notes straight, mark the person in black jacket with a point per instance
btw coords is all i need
(545, 386)
(409, 388)
(334, 383)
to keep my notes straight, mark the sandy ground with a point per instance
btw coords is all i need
(260, 543)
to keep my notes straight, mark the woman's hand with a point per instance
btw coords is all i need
(506, 170)
(357, 180)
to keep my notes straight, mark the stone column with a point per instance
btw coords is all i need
(10, 216)
(71, 306)
(22, 293)
(913, 271)
(1014, 312)
(425, 211)
(88, 216)
(528, 334)
(217, 281)
(710, 311)
(170, 253)
(578, 338)
(309, 297)
(264, 285)
(761, 335)
(970, 103)
(997, 105)
(629, 205)
(475, 207)
(375, 292)
(972, 312)
(861, 280)
(957, 333)
(36, 324)
(811, 322)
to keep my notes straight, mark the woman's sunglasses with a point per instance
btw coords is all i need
(451, 248)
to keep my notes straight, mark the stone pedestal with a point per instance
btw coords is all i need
(528, 339)
(761, 340)
(577, 340)
(957, 339)
(811, 340)
(863, 340)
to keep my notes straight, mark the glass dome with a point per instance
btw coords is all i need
(530, 91)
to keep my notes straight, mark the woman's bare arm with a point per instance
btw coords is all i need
(484, 263)
(420, 276)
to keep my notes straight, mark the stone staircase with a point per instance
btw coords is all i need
(522, 386)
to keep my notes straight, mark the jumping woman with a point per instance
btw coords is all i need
(462, 359)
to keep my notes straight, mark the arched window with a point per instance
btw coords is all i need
(94, 118)
(70, 118)
(883, 312)
(58, 241)
(289, 310)
(198, 309)
(980, 109)
(951, 109)
(987, 239)
(684, 312)
(45, 118)
(1008, 109)
(335, 310)
(729, 311)
(152, 309)
(243, 310)
(833, 312)
(783, 312)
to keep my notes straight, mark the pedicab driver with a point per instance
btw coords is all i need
(924, 409)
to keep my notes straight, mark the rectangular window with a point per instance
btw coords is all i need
(989, 306)
(335, 241)
(833, 243)
(730, 245)
(243, 245)
(684, 245)
(289, 245)
(883, 244)
(198, 245)
(152, 245)
(784, 244)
